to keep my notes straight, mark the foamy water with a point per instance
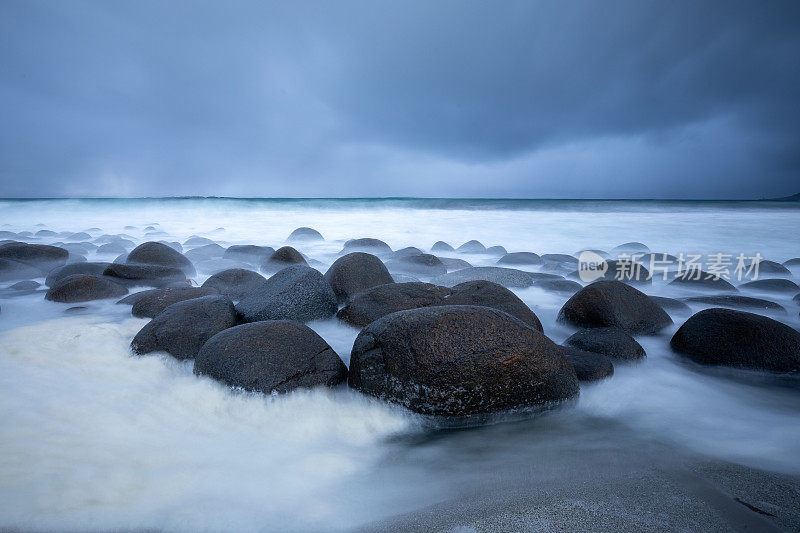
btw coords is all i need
(92, 438)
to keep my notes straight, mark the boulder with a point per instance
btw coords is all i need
(739, 339)
(406, 252)
(558, 285)
(79, 236)
(273, 356)
(111, 248)
(766, 266)
(83, 288)
(507, 277)
(369, 305)
(589, 366)
(235, 283)
(563, 260)
(453, 263)
(147, 275)
(612, 342)
(248, 253)
(613, 303)
(205, 252)
(27, 285)
(151, 303)
(520, 258)
(496, 250)
(11, 270)
(282, 257)
(39, 256)
(182, 328)
(419, 264)
(794, 262)
(630, 248)
(627, 271)
(459, 361)
(734, 300)
(698, 279)
(195, 240)
(295, 293)
(471, 247)
(156, 253)
(373, 246)
(355, 272)
(305, 234)
(92, 269)
(441, 246)
(488, 294)
(771, 285)
(671, 304)
(45, 233)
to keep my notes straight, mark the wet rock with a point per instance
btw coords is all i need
(110, 248)
(172, 244)
(271, 356)
(565, 286)
(406, 252)
(795, 262)
(771, 285)
(488, 294)
(40, 256)
(771, 267)
(143, 275)
(630, 248)
(204, 253)
(613, 303)
(305, 234)
(698, 279)
(471, 247)
(195, 240)
(626, 271)
(562, 260)
(83, 288)
(156, 253)
(45, 233)
(92, 269)
(295, 293)
(671, 304)
(80, 236)
(376, 302)
(150, 303)
(373, 246)
(612, 342)
(734, 300)
(459, 361)
(507, 277)
(235, 283)
(286, 255)
(355, 272)
(27, 285)
(453, 263)
(520, 258)
(182, 328)
(589, 366)
(441, 246)
(11, 270)
(496, 250)
(419, 264)
(248, 253)
(739, 339)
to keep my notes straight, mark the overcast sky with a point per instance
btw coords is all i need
(534, 99)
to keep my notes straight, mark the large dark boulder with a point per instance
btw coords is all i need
(459, 361)
(249, 253)
(39, 256)
(295, 293)
(11, 270)
(701, 280)
(589, 366)
(612, 342)
(376, 302)
(83, 288)
(57, 274)
(305, 234)
(771, 285)
(355, 272)
(156, 253)
(373, 246)
(143, 275)
(182, 328)
(150, 303)
(488, 294)
(613, 303)
(736, 338)
(520, 258)
(235, 283)
(284, 256)
(270, 356)
(507, 277)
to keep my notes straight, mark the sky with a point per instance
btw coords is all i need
(528, 99)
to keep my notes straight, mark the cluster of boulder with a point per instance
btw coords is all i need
(461, 345)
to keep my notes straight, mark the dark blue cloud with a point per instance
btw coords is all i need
(624, 98)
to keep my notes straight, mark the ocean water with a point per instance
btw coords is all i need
(92, 438)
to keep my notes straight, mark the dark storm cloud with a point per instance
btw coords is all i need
(583, 99)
